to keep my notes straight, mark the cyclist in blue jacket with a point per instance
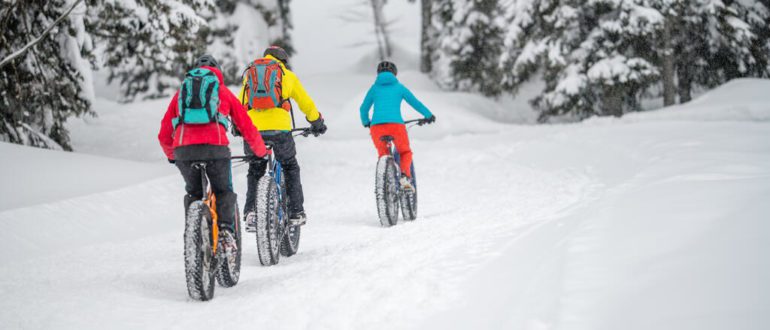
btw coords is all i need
(386, 95)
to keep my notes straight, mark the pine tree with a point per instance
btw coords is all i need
(150, 43)
(226, 25)
(48, 84)
(470, 43)
(596, 60)
(602, 56)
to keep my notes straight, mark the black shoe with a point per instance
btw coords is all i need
(251, 222)
(227, 241)
(298, 218)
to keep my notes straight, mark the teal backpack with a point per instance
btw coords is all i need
(199, 99)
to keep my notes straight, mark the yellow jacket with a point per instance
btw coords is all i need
(278, 119)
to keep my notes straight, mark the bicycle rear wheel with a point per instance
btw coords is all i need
(268, 241)
(386, 191)
(409, 199)
(198, 252)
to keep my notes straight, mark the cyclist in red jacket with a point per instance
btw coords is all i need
(185, 144)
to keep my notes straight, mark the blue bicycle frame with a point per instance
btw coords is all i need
(275, 171)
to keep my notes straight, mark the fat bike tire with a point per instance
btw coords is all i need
(290, 241)
(199, 259)
(230, 267)
(409, 200)
(386, 191)
(268, 239)
(290, 237)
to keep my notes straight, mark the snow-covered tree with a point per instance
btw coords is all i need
(144, 45)
(44, 86)
(233, 38)
(593, 55)
(149, 44)
(469, 44)
(602, 56)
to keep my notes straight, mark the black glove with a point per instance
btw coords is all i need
(430, 120)
(368, 125)
(172, 161)
(235, 131)
(317, 126)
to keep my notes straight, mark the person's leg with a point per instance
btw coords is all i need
(377, 132)
(220, 178)
(286, 154)
(256, 171)
(192, 179)
(404, 150)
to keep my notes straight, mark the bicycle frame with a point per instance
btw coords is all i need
(211, 201)
(275, 171)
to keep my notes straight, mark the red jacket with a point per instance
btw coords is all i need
(213, 133)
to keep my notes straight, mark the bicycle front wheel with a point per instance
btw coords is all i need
(267, 208)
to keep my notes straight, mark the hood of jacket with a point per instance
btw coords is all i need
(216, 72)
(283, 65)
(386, 78)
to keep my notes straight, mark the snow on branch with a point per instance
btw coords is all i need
(39, 38)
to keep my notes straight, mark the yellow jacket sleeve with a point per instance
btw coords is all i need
(293, 87)
(242, 93)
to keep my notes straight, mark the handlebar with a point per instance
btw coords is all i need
(304, 131)
(419, 122)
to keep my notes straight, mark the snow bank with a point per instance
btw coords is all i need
(32, 176)
(746, 99)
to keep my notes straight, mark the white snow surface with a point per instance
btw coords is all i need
(657, 220)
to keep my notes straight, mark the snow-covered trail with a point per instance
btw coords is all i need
(589, 226)
(349, 273)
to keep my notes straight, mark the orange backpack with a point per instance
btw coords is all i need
(264, 78)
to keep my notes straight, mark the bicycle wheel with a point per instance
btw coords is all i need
(289, 238)
(409, 199)
(267, 221)
(290, 242)
(386, 191)
(230, 267)
(199, 259)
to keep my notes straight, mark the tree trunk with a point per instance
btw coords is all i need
(426, 48)
(684, 77)
(612, 103)
(380, 30)
(667, 72)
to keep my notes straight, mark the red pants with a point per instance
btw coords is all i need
(400, 139)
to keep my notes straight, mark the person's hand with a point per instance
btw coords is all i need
(430, 120)
(268, 152)
(172, 161)
(317, 126)
(367, 125)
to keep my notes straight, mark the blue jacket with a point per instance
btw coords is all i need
(386, 94)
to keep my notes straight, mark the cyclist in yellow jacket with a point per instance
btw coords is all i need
(275, 125)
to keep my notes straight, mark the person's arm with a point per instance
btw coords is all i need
(415, 103)
(244, 124)
(366, 106)
(305, 103)
(242, 98)
(166, 134)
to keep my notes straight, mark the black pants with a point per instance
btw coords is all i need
(286, 154)
(220, 178)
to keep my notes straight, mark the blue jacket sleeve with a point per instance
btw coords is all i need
(366, 106)
(415, 103)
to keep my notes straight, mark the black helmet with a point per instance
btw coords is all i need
(387, 66)
(207, 60)
(278, 53)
